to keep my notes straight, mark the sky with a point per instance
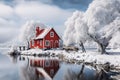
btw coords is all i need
(53, 13)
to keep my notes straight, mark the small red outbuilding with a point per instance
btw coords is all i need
(46, 38)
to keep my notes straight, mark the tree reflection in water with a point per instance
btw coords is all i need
(14, 58)
(70, 75)
(28, 73)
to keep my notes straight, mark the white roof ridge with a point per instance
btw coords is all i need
(44, 33)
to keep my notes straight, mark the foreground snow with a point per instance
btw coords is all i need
(89, 56)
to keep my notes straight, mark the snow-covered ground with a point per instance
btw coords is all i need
(90, 56)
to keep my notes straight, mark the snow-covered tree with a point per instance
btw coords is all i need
(69, 34)
(99, 23)
(28, 31)
(101, 18)
(81, 31)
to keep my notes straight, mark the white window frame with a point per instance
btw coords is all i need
(48, 43)
(52, 34)
(40, 42)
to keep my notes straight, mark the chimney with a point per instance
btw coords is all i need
(37, 31)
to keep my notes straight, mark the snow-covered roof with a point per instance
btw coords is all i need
(44, 33)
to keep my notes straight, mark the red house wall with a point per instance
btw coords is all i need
(52, 40)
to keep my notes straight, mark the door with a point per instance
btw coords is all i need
(51, 44)
(56, 44)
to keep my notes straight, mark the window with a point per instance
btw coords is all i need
(47, 43)
(47, 63)
(51, 34)
(40, 43)
(52, 72)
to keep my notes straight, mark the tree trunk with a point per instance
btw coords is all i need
(82, 47)
(101, 48)
(28, 45)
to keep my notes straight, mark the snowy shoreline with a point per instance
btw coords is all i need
(89, 56)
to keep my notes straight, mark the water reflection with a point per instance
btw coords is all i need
(28, 73)
(51, 66)
(39, 68)
(71, 75)
(14, 58)
(43, 68)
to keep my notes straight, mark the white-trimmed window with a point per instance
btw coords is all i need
(47, 42)
(51, 34)
(40, 43)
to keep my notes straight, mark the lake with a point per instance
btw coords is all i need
(40, 68)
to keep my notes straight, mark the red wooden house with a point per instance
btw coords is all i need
(45, 39)
(51, 66)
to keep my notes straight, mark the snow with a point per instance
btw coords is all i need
(32, 51)
(89, 56)
(44, 33)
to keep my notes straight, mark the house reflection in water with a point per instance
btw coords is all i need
(45, 67)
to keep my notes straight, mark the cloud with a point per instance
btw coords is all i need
(7, 34)
(42, 12)
(11, 18)
(64, 4)
(7, 23)
(5, 11)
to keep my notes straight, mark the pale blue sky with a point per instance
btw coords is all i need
(14, 13)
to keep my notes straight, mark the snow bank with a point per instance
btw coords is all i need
(89, 56)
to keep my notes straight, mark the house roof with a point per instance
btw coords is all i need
(43, 33)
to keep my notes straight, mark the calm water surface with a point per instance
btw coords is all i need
(39, 68)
